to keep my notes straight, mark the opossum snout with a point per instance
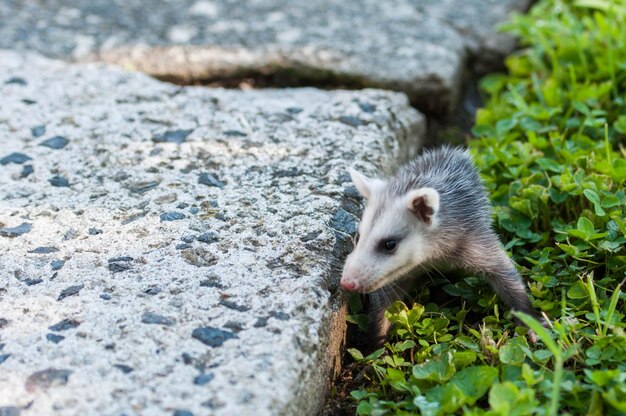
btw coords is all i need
(349, 284)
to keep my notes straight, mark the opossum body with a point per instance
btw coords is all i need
(433, 211)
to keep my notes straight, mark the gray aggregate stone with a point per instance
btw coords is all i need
(16, 231)
(16, 81)
(172, 136)
(212, 282)
(235, 133)
(15, 157)
(209, 180)
(143, 186)
(45, 379)
(154, 318)
(172, 216)
(57, 264)
(55, 338)
(56, 142)
(203, 379)
(9, 411)
(38, 131)
(64, 325)
(261, 322)
(119, 267)
(279, 315)
(234, 306)
(120, 264)
(208, 238)
(213, 337)
(59, 182)
(27, 170)
(153, 291)
(367, 107)
(120, 258)
(258, 263)
(43, 250)
(344, 222)
(70, 291)
(351, 121)
(124, 368)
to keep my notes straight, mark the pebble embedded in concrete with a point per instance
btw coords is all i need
(56, 142)
(15, 157)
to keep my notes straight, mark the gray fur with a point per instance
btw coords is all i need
(464, 237)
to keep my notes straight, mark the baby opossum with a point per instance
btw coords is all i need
(433, 212)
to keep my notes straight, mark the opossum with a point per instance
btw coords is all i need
(433, 212)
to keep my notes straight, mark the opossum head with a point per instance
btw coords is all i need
(393, 235)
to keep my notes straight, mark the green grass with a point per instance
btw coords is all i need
(550, 146)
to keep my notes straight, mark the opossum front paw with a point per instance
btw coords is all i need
(532, 335)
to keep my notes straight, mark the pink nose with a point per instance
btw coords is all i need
(348, 285)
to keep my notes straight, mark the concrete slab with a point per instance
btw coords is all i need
(420, 47)
(477, 21)
(168, 250)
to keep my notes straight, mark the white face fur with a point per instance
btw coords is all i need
(390, 242)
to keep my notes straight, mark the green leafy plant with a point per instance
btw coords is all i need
(550, 146)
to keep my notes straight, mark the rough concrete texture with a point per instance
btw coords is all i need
(420, 47)
(171, 249)
(477, 21)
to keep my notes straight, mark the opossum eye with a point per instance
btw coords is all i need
(355, 239)
(390, 245)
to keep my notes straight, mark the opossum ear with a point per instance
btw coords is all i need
(424, 204)
(366, 186)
